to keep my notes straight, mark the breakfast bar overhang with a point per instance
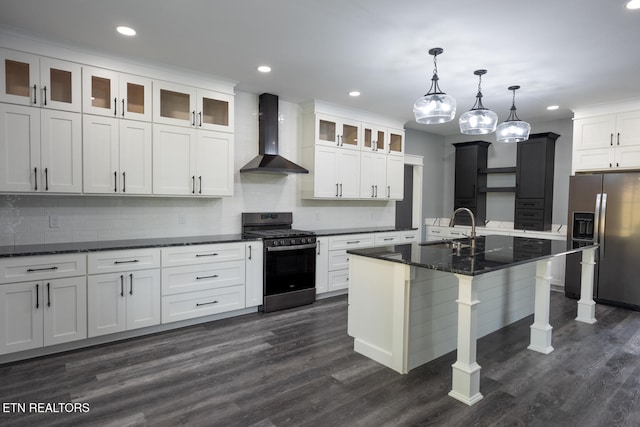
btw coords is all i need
(409, 304)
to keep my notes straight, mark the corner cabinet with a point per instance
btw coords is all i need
(351, 157)
(607, 142)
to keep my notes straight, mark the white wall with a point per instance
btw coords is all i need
(24, 219)
(432, 148)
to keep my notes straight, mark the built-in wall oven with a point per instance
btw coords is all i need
(289, 270)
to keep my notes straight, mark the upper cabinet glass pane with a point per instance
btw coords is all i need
(380, 140)
(17, 78)
(174, 105)
(135, 98)
(395, 143)
(215, 112)
(61, 86)
(327, 130)
(100, 92)
(349, 134)
(368, 139)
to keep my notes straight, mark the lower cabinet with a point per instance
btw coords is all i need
(127, 295)
(36, 310)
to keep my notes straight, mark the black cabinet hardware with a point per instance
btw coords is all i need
(126, 262)
(130, 283)
(213, 276)
(46, 179)
(48, 294)
(35, 90)
(123, 107)
(37, 296)
(35, 173)
(31, 270)
(211, 254)
(124, 182)
(45, 95)
(115, 106)
(200, 181)
(206, 303)
(122, 285)
(115, 181)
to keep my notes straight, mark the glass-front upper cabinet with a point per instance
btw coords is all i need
(337, 132)
(396, 142)
(182, 105)
(39, 81)
(373, 137)
(114, 94)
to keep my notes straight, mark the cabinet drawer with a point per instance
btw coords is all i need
(202, 254)
(189, 305)
(528, 214)
(351, 241)
(381, 239)
(202, 277)
(338, 260)
(27, 268)
(528, 224)
(338, 280)
(409, 237)
(116, 261)
(530, 204)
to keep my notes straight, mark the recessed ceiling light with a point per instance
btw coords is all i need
(552, 107)
(126, 31)
(354, 93)
(633, 4)
(264, 69)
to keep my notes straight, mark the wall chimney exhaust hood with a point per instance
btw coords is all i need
(268, 159)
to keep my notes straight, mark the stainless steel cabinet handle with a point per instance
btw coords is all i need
(35, 173)
(130, 283)
(31, 270)
(207, 277)
(48, 294)
(206, 303)
(45, 95)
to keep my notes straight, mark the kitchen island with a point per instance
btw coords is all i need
(409, 304)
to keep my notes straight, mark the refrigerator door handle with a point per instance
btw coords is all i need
(596, 220)
(603, 217)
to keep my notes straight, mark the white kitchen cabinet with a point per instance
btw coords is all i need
(254, 274)
(181, 105)
(338, 259)
(117, 156)
(42, 301)
(388, 238)
(123, 301)
(410, 236)
(607, 142)
(322, 264)
(41, 150)
(373, 175)
(337, 132)
(395, 178)
(36, 81)
(374, 138)
(192, 162)
(114, 94)
(336, 173)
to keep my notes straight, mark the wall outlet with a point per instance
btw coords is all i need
(54, 221)
(182, 219)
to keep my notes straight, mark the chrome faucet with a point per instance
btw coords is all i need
(452, 222)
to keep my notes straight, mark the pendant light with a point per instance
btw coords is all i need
(436, 106)
(513, 129)
(479, 120)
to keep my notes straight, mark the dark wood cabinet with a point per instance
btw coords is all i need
(470, 158)
(534, 182)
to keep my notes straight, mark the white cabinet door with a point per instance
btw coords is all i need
(395, 143)
(143, 298)
(254, 275)
(61, 151)
(628, 129)
(593, 159)
(100, 152)
(322, 265)
(100, 91)
(374, 138)
(373, 175)
(60, 85)
(107, 305)
(395, 178)
(349, 174)
(65, 310)
(21, 78)
(174, 151)
(21, 311)
(594, 132)
(214, 163)
(19, 148)
(134, 100)
(174, 104)
(135, 157)
(214, 111)
(339, 132)
(326, 173)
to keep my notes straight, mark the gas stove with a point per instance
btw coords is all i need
(283, 237)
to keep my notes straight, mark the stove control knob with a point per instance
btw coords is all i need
(293, 242)
(282, 243)
(275, 243)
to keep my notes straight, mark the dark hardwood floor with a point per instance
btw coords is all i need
(297, 368)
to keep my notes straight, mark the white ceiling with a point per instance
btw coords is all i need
(573, 53)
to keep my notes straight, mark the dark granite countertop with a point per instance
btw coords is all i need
(109, 245)
(359, 230)
(492, 252)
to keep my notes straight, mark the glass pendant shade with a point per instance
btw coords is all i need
(479, 120)
(513, 129)
(436, 106)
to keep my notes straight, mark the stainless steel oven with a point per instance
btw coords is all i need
(289, 259)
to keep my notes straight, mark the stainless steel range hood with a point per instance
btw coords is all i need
(268, 159)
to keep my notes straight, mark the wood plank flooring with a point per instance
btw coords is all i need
(297, 368)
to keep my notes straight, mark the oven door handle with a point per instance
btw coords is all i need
(291, 248)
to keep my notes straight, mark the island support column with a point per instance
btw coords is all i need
(541, 329)
(465, 378)
(586, 305)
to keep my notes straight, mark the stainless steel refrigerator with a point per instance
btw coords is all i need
(605, 208)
